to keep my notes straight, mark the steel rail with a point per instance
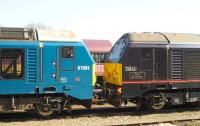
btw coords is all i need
(159, 122)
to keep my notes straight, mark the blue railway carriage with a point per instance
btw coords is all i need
(43, 70)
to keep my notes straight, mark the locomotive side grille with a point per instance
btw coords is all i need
(192, 65)
(16, 34)
(176, 64)
(31, 65)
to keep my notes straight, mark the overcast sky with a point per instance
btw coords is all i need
(104, 19)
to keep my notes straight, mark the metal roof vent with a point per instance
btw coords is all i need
(17, 33)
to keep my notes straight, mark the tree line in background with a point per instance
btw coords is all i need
(35, 25)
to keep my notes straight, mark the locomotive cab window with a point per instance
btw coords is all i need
(117, 50)
(67, 52)
(11, 64)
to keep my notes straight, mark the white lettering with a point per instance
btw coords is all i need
(83, 67)
(130, 68)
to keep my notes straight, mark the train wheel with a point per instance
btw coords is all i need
(44, 109)
(155, 103)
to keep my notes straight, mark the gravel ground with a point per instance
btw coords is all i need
(113, 120)
(194, 123)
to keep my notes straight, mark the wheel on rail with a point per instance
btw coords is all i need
(155, 103)
(44, 111)
(44, 108)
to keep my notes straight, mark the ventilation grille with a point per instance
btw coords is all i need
(31, 65)
(16, 33)
(192, 65)
(176, 64)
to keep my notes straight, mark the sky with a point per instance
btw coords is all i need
(104, 19)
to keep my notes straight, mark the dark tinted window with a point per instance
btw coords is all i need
(117, 50)
(11, 64)
(99, 57)
(67, 52)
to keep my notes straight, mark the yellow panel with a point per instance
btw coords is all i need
(93, 75)
(113, 73)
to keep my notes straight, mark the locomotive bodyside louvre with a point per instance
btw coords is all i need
(184, 60)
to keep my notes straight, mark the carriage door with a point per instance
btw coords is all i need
(67, 63)
(67, 58)
(160, 63)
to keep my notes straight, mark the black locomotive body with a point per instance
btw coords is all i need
(158, 68)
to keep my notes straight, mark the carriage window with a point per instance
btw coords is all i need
(11, 64)
(102, 57)
(96, 57)
(67, 52)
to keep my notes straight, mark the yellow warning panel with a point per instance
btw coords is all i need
(113, 73)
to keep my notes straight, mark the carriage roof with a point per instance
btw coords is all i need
(162, 38)
(31, 34)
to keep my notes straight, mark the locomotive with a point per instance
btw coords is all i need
(43, 70)
(158, 69)
(49, 71)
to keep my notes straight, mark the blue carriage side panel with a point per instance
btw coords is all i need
(67, 64)
(43, 69)
(80, 81)
(28, 83)
(69, 75)
(49, 65)
(50, 69)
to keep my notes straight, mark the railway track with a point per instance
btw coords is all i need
(130, 111)
(105, 112)
(160, 122)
